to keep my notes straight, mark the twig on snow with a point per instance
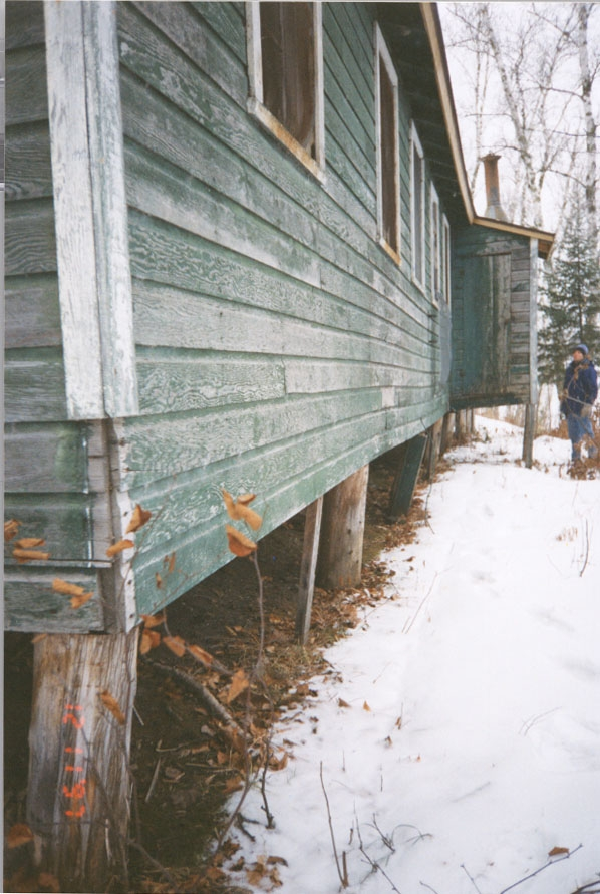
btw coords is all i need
(462, 866)
(541, 869)
(342, 873)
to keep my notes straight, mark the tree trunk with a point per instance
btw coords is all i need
(78, 796)
(342, 530)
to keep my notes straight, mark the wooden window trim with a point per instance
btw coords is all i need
(435, 224)
(415, 146)
(382, 55)
(256, 105)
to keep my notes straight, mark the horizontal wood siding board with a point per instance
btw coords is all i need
(193, 500)
(32, 312)
(27, 156)
(228, 21)
(24, 24)
(34, 389)
(181, 23)
(203, 323)
(62, 520)
(31, 605)
(352, 45)
(26, 95)
(353, 112)
(205, 551)
(160, 446)
(165, 254)
(30, 243)
(159, 191)
(156, 63)
(45, 458)
(172, 385)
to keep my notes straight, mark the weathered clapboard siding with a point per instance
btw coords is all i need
(51, 486)
(262, 300)
(271, 344)
(494, 288)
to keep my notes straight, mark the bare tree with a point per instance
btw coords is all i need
(532, 73)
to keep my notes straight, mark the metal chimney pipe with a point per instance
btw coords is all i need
(494, 208)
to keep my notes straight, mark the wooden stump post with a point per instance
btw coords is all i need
(79, 786)
(405, 481)
(529, 434)
(306, 588)
(342, 529)
(445, 433)
(433, 446)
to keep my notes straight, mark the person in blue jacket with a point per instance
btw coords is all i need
(580, 390)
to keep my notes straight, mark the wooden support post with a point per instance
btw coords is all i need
(529, 434)
(308, 567)
(445, 433)
(406, 476)
(342, 529)
(79, 785)
(434, 439)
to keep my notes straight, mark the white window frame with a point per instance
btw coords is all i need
(435, 243)
(446, 261)
(255, 101)
(382, 55)
(415, 146)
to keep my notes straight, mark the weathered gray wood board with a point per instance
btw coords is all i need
(78, 795)
(494, 319)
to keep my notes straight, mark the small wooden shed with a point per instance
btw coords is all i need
(227, 266)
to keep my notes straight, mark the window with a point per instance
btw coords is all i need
(446, 260)
(417, 196)
(388, 178)
(286, 75)
(435, 247)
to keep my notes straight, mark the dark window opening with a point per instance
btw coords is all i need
(389, 199)
(288, 68)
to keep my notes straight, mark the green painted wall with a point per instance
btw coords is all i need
(278, 347)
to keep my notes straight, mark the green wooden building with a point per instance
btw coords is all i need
(231, 265)
(240, 253)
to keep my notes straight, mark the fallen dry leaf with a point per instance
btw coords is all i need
(238, 510)
(149, 640)
(159, 581)
(78, 601)
(29, 555)
(239, 683)
(62, 586)
(119, 547)
(139, 517)
(18, 834)
(239, 544)
(201, 655)
(366, 706)
(11, 529)
(153, 620)
(112, 705)
(342, 703)
(557, 851)
(176, 644)
(29, 542)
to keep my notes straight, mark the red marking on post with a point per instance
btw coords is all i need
(76, 792)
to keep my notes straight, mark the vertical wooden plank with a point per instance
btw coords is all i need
(78, 794)
(529, 434)
(308, 567)
(74, 221)
(90, 209)
(342, 530)
(105, 147)
(406, 476)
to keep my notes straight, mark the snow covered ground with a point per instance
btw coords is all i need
(457, 732)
